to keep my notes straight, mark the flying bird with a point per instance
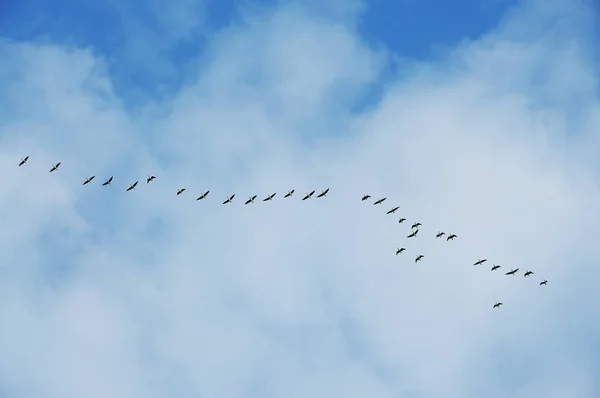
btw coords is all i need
(543, 283)
(308, 195)
(451, 237)
(399, 250)
(270, 197)
(413, 234)
(323, 193)
(393, 210)
(514, 271)
(55, 167)
(416, 225)
(289, 194)
(229, 199)
(479, 262)
(379, 201)
(182, 190)
(150, 178)
(89, 180)
(497, 305)
(204, 195)
(132, 186)
(107, 182)
(418, 258)
(365, 197)
(250, 200)
(528, 273)
(24, 160)
(495, 267)
(401, 220)
(440, 234)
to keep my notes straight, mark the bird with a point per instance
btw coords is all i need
(527, 273)
(479, 262)
(229, 199)
(379, 201)
(413, 234)
(416, 225)
(132, 186)
(418, 258)
(440, 234)
(497, 305)
(270, 197)
(289, 194)
(399, 250)
(24, 160)
(55, 167)
(393, 210)
(107, 182)
(365, 197)
(150, 178)
(514, 271)
(543, 283)
(322, 194)
(250, 200)
(308, 195)
(182, 190)
(204, 195)
(451, 237)
(87, 181)
(495, 267)
(401, 220)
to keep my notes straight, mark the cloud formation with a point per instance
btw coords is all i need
(148, 294)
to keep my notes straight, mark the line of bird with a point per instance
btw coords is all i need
(449, 237)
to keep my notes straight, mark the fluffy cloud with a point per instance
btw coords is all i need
(144, 293)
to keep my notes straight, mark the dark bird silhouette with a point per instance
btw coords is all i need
(418, 258)
(495, 267)
(55, 167)
(497, 305)
(440, 234)
(379, 201)
(270, 197)
(416, 225)
(399, 250)
(528, 273)
(150, 178)
(24, 160)
(365, 197)
(393, 210)
(204, 195)
(323, 193)
(401, 220)
(451, 237)
(543, 283)
(413, 234)
(229, 199)
(89, 180)
(308, 195)
(514, 271)
(107, 182)
(182, 190)
(479, 262)
(289, 194)
(250, 200)
(132, 186)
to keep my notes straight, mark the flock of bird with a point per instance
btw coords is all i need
(366, 197)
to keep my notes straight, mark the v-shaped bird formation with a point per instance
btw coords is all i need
(414, 229)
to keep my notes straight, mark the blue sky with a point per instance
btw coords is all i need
(480, 119)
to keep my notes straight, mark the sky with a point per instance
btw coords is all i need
(481, 119)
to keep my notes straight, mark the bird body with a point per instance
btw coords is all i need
(393, 210)
(323, 193)
(204, 195)
(107, 182)
(24, 160)
(55, 167)
(418, 258)
(379, 201)
(88, 180)
(132, 186)
(289, 194)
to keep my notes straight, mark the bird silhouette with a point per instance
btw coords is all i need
(24, 160)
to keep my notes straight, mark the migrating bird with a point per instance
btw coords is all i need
(308, 195)
(182, 190)
(514, 271)
(250, 200)
(365, 197)
(497, 305)
(379, 201)
(399, 250)
(204, 195)
(270, 197)
(55, 167)
(393, 210)
(440, 234)
(413, 234)
(229, 199)
(528, 273)
(24, 160)
(401, 220)
(107, 182)
(323, 193)
(479, 262)
(289, 194)
(543, 283)
(495, 267)
(89, 180)
(150, 178)
(132, 186)
(418, 258)
(415, 225)
(451, 237)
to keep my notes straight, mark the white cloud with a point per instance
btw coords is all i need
(144, 293)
